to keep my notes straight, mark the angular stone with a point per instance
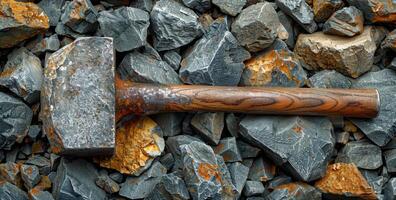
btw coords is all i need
(144, 68)
(40, 45)
(262, 170)
(126, 25)
(246, 150)
(9, 191)
(362, 153)
(20, 21)
(138, 142)
(342, 137)
(277, 181)
(199, 5)
(146, 5)
(301, 145)
(170, 123)
(78, 97)
(390, 160)
(30, 175)
(117, 177)
(80, 16)
(76, 179)
(390, 189)
(10, 172)
(239, 174)
(323, 9)
(45, 183)
(117, 2)
(107, 184)
(321, 51)
(375, 181)
(173, 25)
(53, 9)
(329, 79)
(229, 190)
(228, 149)
(170, 187)
(35, 194)
(295, 190)
(15, 119)
(173, 145)
(345, 181)
(209, 126)
(230, 7)
(291, 27)
(23, 75)
(173, 59)
(274, 68)
(253, 188)
(376, 11)
(300, 11)
(256, 27)
(215, 59)
(390, 41)
(41, 162)
(231, 123)
(345, 22)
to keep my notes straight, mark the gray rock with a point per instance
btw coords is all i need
(76, 179)
(215, 59)
(23, 75)
(381, 129)
(262, 170)
(345, 22)
(173, 144)
(295, 190)
(43, 44)
(390, 41)
(392, 65)
(167, 160)
(239, 174)
(107, 184)
(30, 175)
(77, 99)
(15, 119)
(301, 145)
(199, 5)
(228, 149)
(246, 150)
(80, 16)
(144, 68)
(362, 153)
(230, 7)
(117, 177)
(290, 27)
(253, 188)
(390, 189)
(342, 137)
(229, 191)
(376, 11)
(300, 11)
(209, 126)
(390, 160)
(232, 124)
(329, 79)
(127, 26)
(53, 9)
(11, 156)
(115, 2)
(9, 191)
(257, 26)
(173, 25)
(62, 29)
(323, 9)
(146, 5)
(170, 187)
(10, 172)
(173, 59)
(375, 181)
(277, 181)
(41, 162)
(40, 195)
(34, 131)
(170, 123)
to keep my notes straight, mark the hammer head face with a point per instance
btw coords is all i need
(78, 98)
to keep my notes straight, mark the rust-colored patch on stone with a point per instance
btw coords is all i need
(323, 9)
(292, 187)
(11, 173)
(381, 14)
(207, 171)
(44, 184)
(297, 129)
(33, 192)
(345, 179)
(138, 142)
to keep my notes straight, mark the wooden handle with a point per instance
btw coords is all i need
(136, 98)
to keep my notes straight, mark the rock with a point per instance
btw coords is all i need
(76, 179)
(167, 160)
(117, 177)
(10, 172)
(138, 142)
(239, 174)
(199, 5)
(390, 41)
(15, 119)
(295, 190)
(127, 26)
(173, 25)
(229, 191)
(215, 59)
(323, 9)
(20, 21)
(301, 145)
(390, 160)
(173, 145)
(170, 123)
(107, 184)
(173, 59)
(329, 79)
(80, 16)
(253, 188)
(74, 76)
(146, 5)
(291, 27)
(375, 181)
(381, 129)
(274, 68)
(34, 131)
(53, 9)
(319, 51)
(143, 68)
(390, 189)
(230, 7)
(171, 186)
(277, 181)
(342, 137)
(345, 22)
(376, 11)
(30, 175)
(300, 11)
(231, 123)
(23, 75)
(228, 149)
(41, 162)
(209, 126)
(362, 153)
(35, 194)
(40, 45)
(9, 191)
(256, 27)
(246, 150)
(345, 181)
(262, 170)
(117, 2)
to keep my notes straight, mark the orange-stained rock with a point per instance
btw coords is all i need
(44, 184)
(296, 190)
(20, 21)
(345, 180)
(323, 9)
(377, 11)
(138, 142)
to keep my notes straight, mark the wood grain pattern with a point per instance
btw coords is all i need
(136, 98)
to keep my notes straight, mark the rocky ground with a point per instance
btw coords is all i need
(48, 48)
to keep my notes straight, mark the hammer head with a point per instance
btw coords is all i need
(78, 98)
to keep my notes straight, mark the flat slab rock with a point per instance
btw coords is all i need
(78, 97)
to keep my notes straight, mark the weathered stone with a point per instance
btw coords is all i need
(41, 162)
(376, 11)
(170, 123)
(323, 9)
(80, 16)
(173, 25)
(76, 179)
(229, 191)
(209, 126)
(253, 188)
(277, 181)
(63, 30)
(274, 68)
(173, 59)
(78, 97)
(23, 75)
(256, 27)
(239, 174)
(146, 5)
(107, 184)
(126, 25)
(291, 27)
(390, 41)
(321, 51)
(390, 189)
(199, 5)
(117, 177)
(41, 44)
(231, 123)
(30, 175)
(20, 21)
(342, 137)
(246, 150)
(10, 172)
(329, 79)
(374, 180)
(362, 153)
(9, 191)
(390, 160)
(144, 68)
(170, 187)
(262, 170)
(35, 194)
(228, 149)
(216, 59)
(15, 119)
(34, 131)
(295, 190)
(138, 142)
(302, 145)
(300, 11)
(53, 9)
(173, 145)
(230, 7)
(45, 183)
(345, 22)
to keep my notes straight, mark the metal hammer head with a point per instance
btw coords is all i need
(78, 98)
